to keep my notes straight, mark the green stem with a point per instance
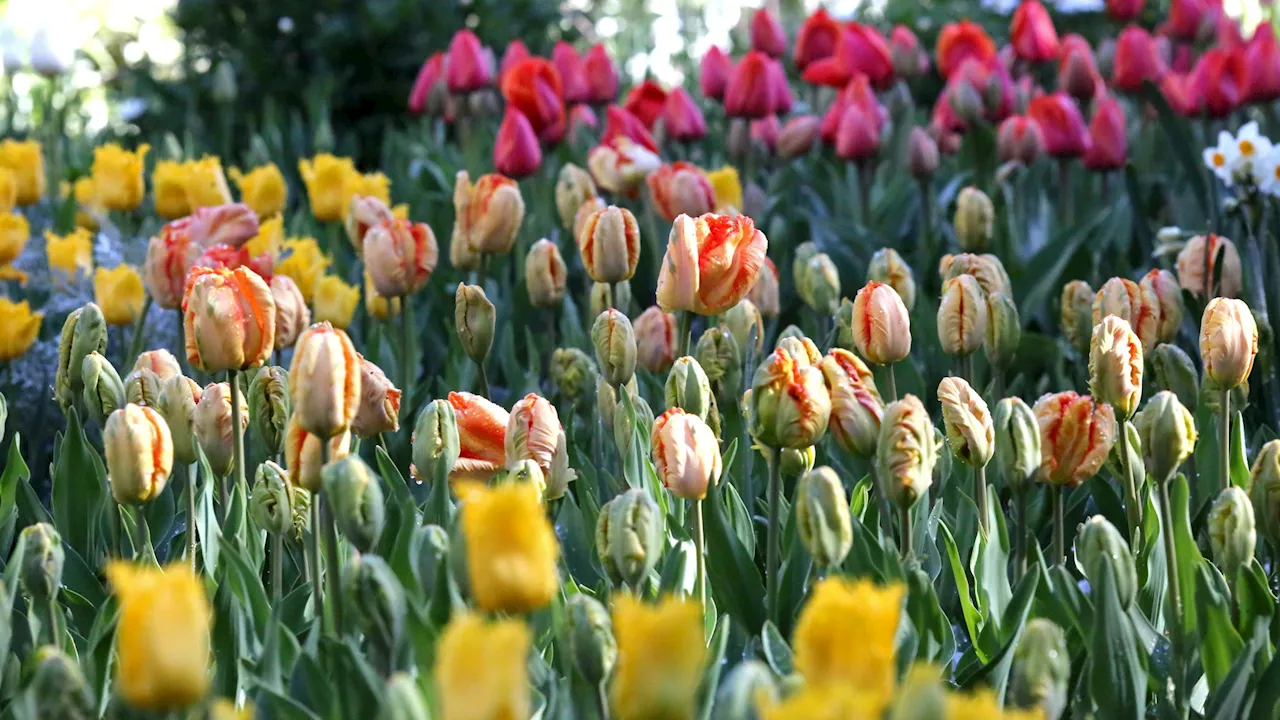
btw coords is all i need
(1059, 526)
(406, 362)
(892, 384)
(1064, 191)
(277, 567)
(602, 699)
(1174, 608)
(483, 380)
(866, 177)
(313, 564)
(113, 520)
(682, 334)
(1020, 535)
(980, 493)
(699, 547)
(237, 429)
(904, 532)
(333, 562)
(1224, 441)
(1133, 503)
(613, 296)
(773, 551)
(139, 325)
(191, 514)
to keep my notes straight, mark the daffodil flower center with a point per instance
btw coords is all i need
(1219, 159)
(1246, 147)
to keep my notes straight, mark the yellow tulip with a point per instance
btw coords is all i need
(827, 703)
(71, 254)
(14, 232)
(482, 669)
(511, 548)
(117, 175)
(224, 709)
(326, 179)
(401, 211)
(661, 657)
(89, 205)
(269, 238)
(119, 293)
(8, 190)
(162, 639)
(206, 183)
(169, 189)
(983, 705)
(371, 185)
(303, 261)
(26, 160)
(335, 301)
(378, 307)
(263, 189)
(18, 328)
(845, 633)
(728, 188)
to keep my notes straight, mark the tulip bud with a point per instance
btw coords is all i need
(404, 700)
(804, 252)
(602, 297)
(1174, 370)
(1191, 266)
(84, 332)
(433, 545)
(888, 267)
(103, 391)
(607, 399)
(615, 344)
(488, 214)
(974, 219)
(1136, 304)
(844, 325)
(364, 212)
(688, 388)
(377, 601)
(1167, 433)
(1265, 490)
(1098, 538)
(790, 405)
(962, 316)
(967, 421)
(573, 373)
(765, 291)
(139, 454)
(161, 362)
(269, 407)
(1211, 398)
(856, 406)
(435, 441)
(624, 427)
(881, 325)
(527, 471)
(590, 633)
(574, 187)
(718, 355)
(292, 314)
(821, 289)
(229, 319)
(400, 256)
(1041, 669)
(746, 324)
(1164, 286)
(798, 136)
(610, 245)
(905, 451)
(1004, 330)
(686, 454)
(748, 686)
(1017, 440)
(142, 387)
(357, 500)
(474, 317)
(324, 381)
(57, 689)
(822, 517)
(1076, 435)
(1077, 313)
(629, 536)
(1232, 534)
(211, 423)
(545, 274)
(42, 564)
(1115, 365)
(270, 499)
(178, 398)
(1228, 342)
(379, 409)
(922, 154)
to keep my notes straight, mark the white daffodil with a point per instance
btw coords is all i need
(1221, 158)
(1250, 145)
(1266, 172)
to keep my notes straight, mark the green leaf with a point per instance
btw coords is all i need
(1117, 681)
(1239, 464)
(79, 495)
(990, 565)
(403, 519)
(776, 651)
(1231, 697)
(15, 469)
(207, 518)
(996, 673)
(1188, 553)
(577, 543)
(732, 572)
(227, 647)
(246, 583)
(936, 639)
(1266, 703)
(972, 618)
(1219, 641)
(1253, 596)
(715, 661)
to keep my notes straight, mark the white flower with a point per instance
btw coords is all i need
(1250, 145)
(1222, 157)
(1266, 172)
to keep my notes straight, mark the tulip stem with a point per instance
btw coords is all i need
(686, 320)
(1133, 503)
(892, 384)
(1020, 535)
(406, 370)
(980, 494)
(699, 547)
(140, 324)
(1174, 616)
(1064, 188)
(313, 566)
(1224, 441)
(603, 700)
(904, 532)
(191, 514)
(613, 296)
(277, 566)
(1059, 526)
(866, 178)
(237, 429)
(772, 552)
(483, 379)
(332, 561)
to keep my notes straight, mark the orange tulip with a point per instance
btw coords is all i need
(960, 41)
(681, 189)
(1191, 266)
(533, 430)
(292, 313)
(229, 317)
(169, 256)
(379, 408)
(482, 433)
(711, 263)
(655, 340)
(1135, 304)
(1076, 435)
(764, 294)
(1228, 342)
(610, 244)
(400, 256)
(881, 325)
(686, 454)
(488, 213)
(856, 406)
(1164, 285)
(302, 454)
(324, 380)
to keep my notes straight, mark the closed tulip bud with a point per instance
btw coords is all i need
(161, 362)
(905, 451)
(1164, 286)
(1134, 303)
(625, 426)
(790, 405)
(364, 213)
(686, 454)
(974, 218)
(324, 381)
(965, 416)
(610, 245)
(1017, 440)
(42, 565)
(1228, 342)
(178, 399)
(1098, 538)
(764, 294)
(142, 387)
(746, 323)
(607, 399)
(710, 264)
(1019, 140)
(1265, 490)
(1167, 434)
(533, 429)
(270, 502)
(888, 267)
(856, 406)
(400, 256)
(688, 388)
(527, 471)
(962, 316)
(615, 345)
(379, 408)
(822, 285)
(212, 425)
(55, 688)
(680, 188)
(1077, 313)
(1195, 274)
(377, 601)
(1115, 365)
(573, 373)
(797, 136)
(881, 325)
(1076, 435)
(590, 633)
(1173, 370)
(139, 454)
(986, 269)
(922, 154)
(436, 445)
(229, 317)
(1004, 330)
(269, 407)
(655, 340)
(84, 332)
(356, 495)
(474, 317)
(602, 297)
(545, 274)
(1232, 532)
(103, 390)
(1041, 670)
(304, 454)
(794, 463)
(718, 355)
(574, 187)
(292, 313)
(800, 262)
(404, 699)
(822, 517)
(488, 214)
(629, 537)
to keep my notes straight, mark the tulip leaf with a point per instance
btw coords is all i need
(246, 584)
(973, 619)
(207, 518)
(936, 641)
(403, 521)
(577, 545)
(226, 641)
(1117, 680)
(1239, 464)
(990, 565)
(1219, 641)
(15, 470)
(715, 663)
(1188, 553)
(777, 653)
(997, 671)
(99, 650)
(1266, 703)
(1229, 700)
(672, 572)
(79, 496)
(1253, 596)
(731, 571)
(276, 705)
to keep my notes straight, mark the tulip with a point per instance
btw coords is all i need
(764, 294)
(104, 392)
(139, 454)
(646, 102)
(590, 636)
(263, 189)
(161, 362)
(822, 517)
(1265, 490)
(379, 407)
(1077, 313)
(974, 218)
(1262, 58)
(601, 75)
(1232, 530)
(1164, 285)
(857, 136)
(1076, 435)
(1115, 365)
(335, 301)
(511, 548)
(655, 339)
(721, 358)
(292, 313)
(573, 77)
(480, 431)
(206, 183)
(118, 174)
(516, 52)
(71, 254)
(797, 136)
(1136, 60)
(141, 387)
(119, 293)
(1123, 11)
(1223, 79)
(574, 189)
(817, 38)
(573, 374)
(1195, 257)
(682, 118)
(41, 568)
(856, 407)
(474, 318)
(179, 397)
(1228, 342)
(905, 455)
(1189, 18)
(678, 189)
(1099, 539)
(714, 72)
(728, 189)
(752, 90)
(229, 319)
(482, 668)
(1108, 141)
(1174, 371)
(620, 165)
(488, 213)
(685, 453)
(400, 256)
(213, 427)
(305, 455)
(969, 428)
(710, 264)
(960, 40)
(324, 381)
(1004, 331)
(1167, 432)
(14, 231)
(19, 328)
(620, 122)
(1032, 33)
(1064, 131)
(1134, 303)
(767, 35)
(1017, 443)
(628, 537)
(844, 638)
(1077, 71)
(466, 69)
(162, 648)
(83, 332)
(888, 267)
(545, 274)
(169, 190)
(532, 431)
(615, 346)
(25, 159)
(790, 405)
(534, 87)
(1019, 140)
(660, 656)
(881, 325)
(516, 152)
(922, 154)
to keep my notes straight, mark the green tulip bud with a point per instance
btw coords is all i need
(749, 685)
(602, 298)
(84, 332)
(403, 700)
(1167, 434)
(435, 441)
(721, 359)
(300, 504)
(1211, 397)
(746, 325)
(821, 289)
(103, 391)
(178, 398)
(688, 388)
(1004, 330)
(1041, 669)
(1118, 465)
(42, 564)
(822, 517)
(57, 688)
(1017, 443)
(906, 451)
(1265, 491)
(590, 633)
(844, 325)
(528, 471)
(378, 605)
(474, 317)
(142, 387)
(615, 343)
(796, 462)
(561, 474)
(573, 372)
(224, 83)
(269, 407)
(269, 502)
(629, 536)
(433, 551)
(800, 262)
(888, 267)
(1172, 369)
(1232, 532)
(622, 421)
(607, 399)
(790, 331)
(1098, 538)
(974, 219)
(349, 483)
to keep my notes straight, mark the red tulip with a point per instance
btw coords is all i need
(1124, 10)
(750, 93)
(1222, 79)
(1262, 57)
(1182, 92)
(714, 72)
(858, 92)
(861, 49)
(961, 40)
(765, 131)
(1077, 71)
(573, 77)
(1061, 124)
(858, 136)
(469, 70)
(620, 123)
(533, 87)
(1228, 35)
(645, 101)
(909, 59)
(1108, 138)
(429, 77)
(515, 52)
(1032, 33)
(780, 88)
(1189, 18)
(817, 38)
(1135, 61)
(582, 116)
(602, 76)
(516, 152)
(682, 118)
(1019, 140)
(767, 35)
(944, 117)
(231, 257)
(797, 136)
